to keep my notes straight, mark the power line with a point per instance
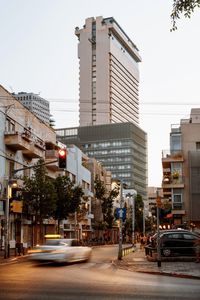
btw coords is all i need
(77, 101)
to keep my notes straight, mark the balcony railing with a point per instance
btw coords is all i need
(172, 180)
(15, 141)
(178, 206)
(172, 154)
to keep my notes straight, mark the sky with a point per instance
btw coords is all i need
(38, 54)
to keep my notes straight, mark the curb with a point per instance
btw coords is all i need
(163, 273)
(5, 261)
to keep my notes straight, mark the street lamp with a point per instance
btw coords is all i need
(11, 183)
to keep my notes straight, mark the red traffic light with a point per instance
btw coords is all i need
(62, 152)
(62, 158)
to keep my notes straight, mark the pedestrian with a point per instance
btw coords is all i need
(141, 241)
(197, 250)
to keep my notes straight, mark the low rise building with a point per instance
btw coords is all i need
(181, 169)
(23, 140)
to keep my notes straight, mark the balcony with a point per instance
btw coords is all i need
(40, 144)
(169, 181)
(171, 156)
(15, 141)
(33, 152)
(26, 135)
(178, 209)
(51, 158)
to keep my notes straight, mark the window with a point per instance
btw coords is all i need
(175, 142)
(177, 198)
(174, 236)
(67, 226)
(10, 125)
(188, 236)
(197, 145)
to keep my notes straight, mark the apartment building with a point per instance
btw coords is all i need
(79, 225)
(23, 140)
(181, 171)
(35, 104)
(109, 74)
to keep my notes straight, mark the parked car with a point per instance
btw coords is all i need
(60, 250)
(176, 242)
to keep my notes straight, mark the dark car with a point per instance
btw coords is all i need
(176, 242)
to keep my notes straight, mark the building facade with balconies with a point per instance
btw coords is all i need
(109, 73)
(79, 225)
(23, 140)
(181, 171)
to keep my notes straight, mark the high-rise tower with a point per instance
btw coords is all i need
(109, 75)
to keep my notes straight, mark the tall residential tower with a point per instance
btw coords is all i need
(109, 75)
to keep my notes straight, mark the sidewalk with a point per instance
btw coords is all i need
(12, 257)
(137, 261)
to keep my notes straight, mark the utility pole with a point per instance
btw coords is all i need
(144, 227)
(6, 236)
(133, 220)
(120, 223)
(11, 182)
(158, 202)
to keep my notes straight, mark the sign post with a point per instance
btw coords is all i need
(158, 203)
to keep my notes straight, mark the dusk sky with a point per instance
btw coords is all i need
(38, 53)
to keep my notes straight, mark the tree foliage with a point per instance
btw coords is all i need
(107, 207)
(39, 197)
(185, 7)
(139, 206)
(106, 201)
(68, 197)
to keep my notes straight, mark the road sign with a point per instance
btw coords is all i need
(121, 213)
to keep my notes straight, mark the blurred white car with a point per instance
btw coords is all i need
(60, 250)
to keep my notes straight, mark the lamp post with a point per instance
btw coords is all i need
(120, 224)
(11, 183)
(144, 227)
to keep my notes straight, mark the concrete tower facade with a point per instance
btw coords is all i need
(109, 75)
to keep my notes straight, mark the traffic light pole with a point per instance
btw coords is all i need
(120, 224)
(158, 232)
(6, 241)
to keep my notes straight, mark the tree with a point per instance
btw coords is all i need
(139, 206)
(38, 194)
(107, 207)
(185, 7)
(68, 198)
(106, 199)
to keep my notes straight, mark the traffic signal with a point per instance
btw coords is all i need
(62, 158)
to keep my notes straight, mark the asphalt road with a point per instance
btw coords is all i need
(97, 279)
